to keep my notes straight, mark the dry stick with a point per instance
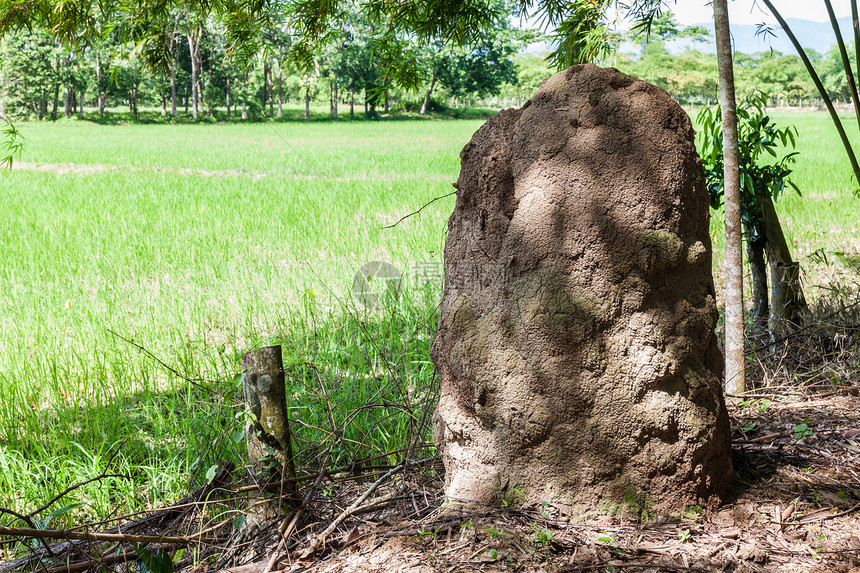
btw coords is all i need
(66, 534)
(84, 565)
(419, 210)
(25, 518)
(75, 486)
(320, 539)
(170, 369)
(825, 517)
(285, 534)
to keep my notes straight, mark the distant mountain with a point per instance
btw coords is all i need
(815, 35)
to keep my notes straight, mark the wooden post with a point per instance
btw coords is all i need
(268, 437)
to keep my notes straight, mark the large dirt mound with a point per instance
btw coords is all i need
(576, 343)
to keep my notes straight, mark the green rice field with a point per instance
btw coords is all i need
(138, 263)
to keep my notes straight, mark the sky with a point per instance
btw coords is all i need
(742, 12)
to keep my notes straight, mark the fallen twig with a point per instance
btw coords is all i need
(75, 486)
(27, 532)
(287, 529)
(320, 539)
(84, 565)
(833, 516)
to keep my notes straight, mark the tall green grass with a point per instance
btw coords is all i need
(198, 243)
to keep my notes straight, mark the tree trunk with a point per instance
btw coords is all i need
(334, 101)
(271, 91)
(267, 436)
(194, 71)
(427, 97)
(307, 102)
(787, 300)
(228, 97)
(758, 273)
(280, 95)
(67, 111)
(206, 102)
(385, 108)
(173, 90)
(171, 64)
(265, 88)
(81, 101)
(351, 102)
(56, 101)
(101, 95)
(163, 106)
(201, 93)
(734, 309)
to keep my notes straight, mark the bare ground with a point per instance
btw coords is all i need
(796, 508)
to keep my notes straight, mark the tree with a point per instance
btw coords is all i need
(764, 176)
(480, 70)
(29, 72)
(850, 77)
(734, 310)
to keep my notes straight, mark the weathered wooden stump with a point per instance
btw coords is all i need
(268, 436)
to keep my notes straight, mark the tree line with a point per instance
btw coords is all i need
(41, 77)
(690, 74)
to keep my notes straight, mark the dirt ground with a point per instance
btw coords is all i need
(796, 508)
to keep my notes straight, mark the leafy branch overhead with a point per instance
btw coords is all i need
(11, 142)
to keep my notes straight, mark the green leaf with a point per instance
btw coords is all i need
(65, 509)
(158, 562)
(210, 473)
(238, 436)
(238, 522)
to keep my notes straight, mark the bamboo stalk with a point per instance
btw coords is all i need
(855, 166)
(846, 63)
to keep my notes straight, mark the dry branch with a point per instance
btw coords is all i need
(287, 527)
(422, 208)
(29, 533)
(320, 539)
